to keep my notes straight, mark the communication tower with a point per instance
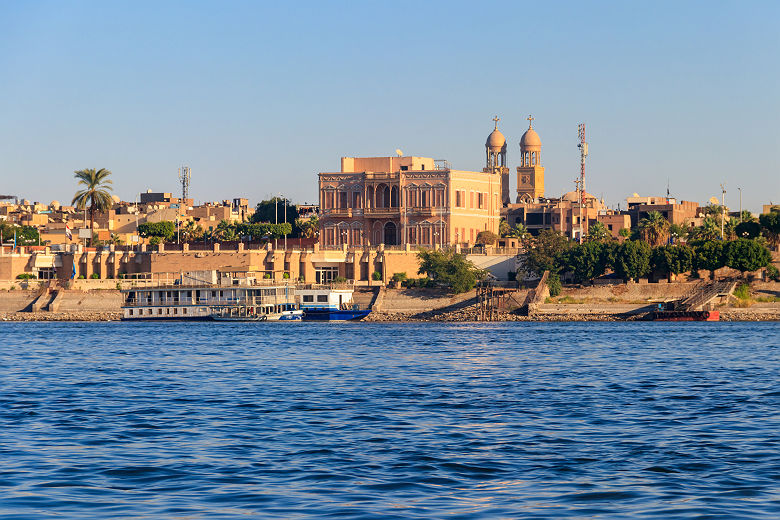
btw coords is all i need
(580, 183)
(184, 178)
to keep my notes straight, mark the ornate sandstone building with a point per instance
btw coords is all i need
(413, 201)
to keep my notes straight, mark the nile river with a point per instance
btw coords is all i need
(460, 421)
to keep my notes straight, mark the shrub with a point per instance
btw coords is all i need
(286, 275)
(399, 277)
(95, 276)
(554, 284)
(25, 276)
(267, 276)
(118, 286)
(486, 238)
(742, 291)
(82, 277)
(339, 279)
(773, 273)
(376, 276)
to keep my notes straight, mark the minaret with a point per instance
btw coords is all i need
(495, 159)
(530, 173)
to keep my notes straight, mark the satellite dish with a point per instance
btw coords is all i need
(398, 152)
(636, 194)
(713, 200)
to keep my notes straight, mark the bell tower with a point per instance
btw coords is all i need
(530, 173)
(495, 159)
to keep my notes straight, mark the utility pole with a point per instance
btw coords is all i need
(740, 205)
(276, 220)
(722, 211)
(285, 222)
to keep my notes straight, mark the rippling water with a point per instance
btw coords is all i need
(296, 420)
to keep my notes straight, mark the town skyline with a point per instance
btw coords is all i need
(257, 108)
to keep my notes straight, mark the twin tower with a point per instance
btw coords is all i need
(530, 173)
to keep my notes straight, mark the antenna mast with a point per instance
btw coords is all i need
(184, 177)
(580, 183)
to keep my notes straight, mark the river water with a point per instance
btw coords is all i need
(461, 421)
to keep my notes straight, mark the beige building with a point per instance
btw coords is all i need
(407, 200)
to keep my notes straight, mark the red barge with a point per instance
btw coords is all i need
(686, 316)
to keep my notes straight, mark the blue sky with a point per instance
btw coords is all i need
(257, 98)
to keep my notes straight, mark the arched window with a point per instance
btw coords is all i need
(390, 234)
(394, 197)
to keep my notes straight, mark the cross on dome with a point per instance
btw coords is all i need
(496, 119)
(530, 121)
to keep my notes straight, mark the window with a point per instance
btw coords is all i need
(131, 312)
(308, 298)
(609, 226)
(424, 199)
(471, 199)
(322, 298)
(342, 199)
(458, 199)
(184, 311)
(404, 168)
(422, 167)
(159, 311)
(480, 201)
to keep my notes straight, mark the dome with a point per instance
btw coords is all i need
(495, 141)
(55, 204)
(530, 139)
(572, 196)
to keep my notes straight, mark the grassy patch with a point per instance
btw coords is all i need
(742, 291)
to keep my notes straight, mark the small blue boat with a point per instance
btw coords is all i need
(327, 304)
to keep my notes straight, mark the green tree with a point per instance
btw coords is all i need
(748, 229)
(226, 232)
(678, 232)
(654, 229)
(309, 228)
(504, 229)
(709, 255)
(26, 236)
(632, 259)
(95, 187)
(541, 254)
(709, 230)
(273, 210)
(164, 231)
(449, 269)
(770, 226)
(598, 232)
(191, 232)
(673, 259)
(625, 232)
(487, 238)
(585, 261)
(746, 255)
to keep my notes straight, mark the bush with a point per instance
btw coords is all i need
(376, 276)
(286, 275)
(773, 273)
(267, 276)
(742, 291)
(82, 277)
(399, 277)
(339, 279)
(421, 283)
(25, 276)
(450, 269)
(554, 284)
(486, 238)
(95, 276)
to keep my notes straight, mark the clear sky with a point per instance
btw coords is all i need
(257, 98)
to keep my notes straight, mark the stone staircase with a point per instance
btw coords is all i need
(705, 293)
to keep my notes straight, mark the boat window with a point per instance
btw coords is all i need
(131, 312)
(159, 311)
(322, 297)
(308, 297)
(184, 311)
(176, 311)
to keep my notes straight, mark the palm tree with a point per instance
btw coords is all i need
(598, 232)
(95, 190)
(654, 229)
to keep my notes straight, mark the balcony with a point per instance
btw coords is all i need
(383, 212)
(338, 212)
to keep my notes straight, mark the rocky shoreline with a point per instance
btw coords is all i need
(464, 315)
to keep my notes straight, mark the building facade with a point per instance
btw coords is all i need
(406, 201)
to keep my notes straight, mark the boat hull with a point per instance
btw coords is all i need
(686, 316)
(335, 315)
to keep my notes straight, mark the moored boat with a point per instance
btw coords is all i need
(330, 304)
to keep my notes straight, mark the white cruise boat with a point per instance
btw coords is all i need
(217, 297)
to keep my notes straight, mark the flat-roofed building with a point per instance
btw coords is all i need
(406, 200)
